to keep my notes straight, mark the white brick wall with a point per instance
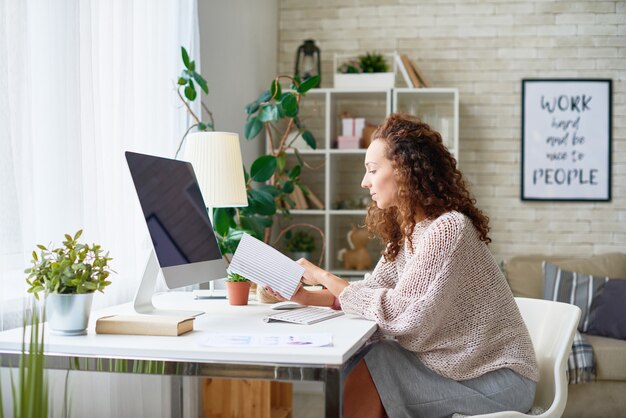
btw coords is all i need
(485, 48)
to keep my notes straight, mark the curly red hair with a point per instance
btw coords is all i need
(427, 179)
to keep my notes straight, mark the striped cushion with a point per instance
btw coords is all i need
(581, 290)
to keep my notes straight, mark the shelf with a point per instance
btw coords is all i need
(337, 173)
(435, 92)
(307, 212)
(348, 212)
(306, 151)
(355, 151)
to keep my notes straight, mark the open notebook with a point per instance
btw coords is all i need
(265, 266)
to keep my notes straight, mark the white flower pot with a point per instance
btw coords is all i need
(364, 81)
(68, 314)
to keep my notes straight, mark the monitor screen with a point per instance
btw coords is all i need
(176, 217)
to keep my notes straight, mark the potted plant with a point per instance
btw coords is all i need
(190, 94)
(367, 71)
(300, 244)
(68, 275)
(269, 181)
(237, 289)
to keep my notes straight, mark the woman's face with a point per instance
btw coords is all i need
(379, 176)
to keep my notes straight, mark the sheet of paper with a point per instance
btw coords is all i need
(266, 340)
(265, 266)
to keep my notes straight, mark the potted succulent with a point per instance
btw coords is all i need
(300, 244)
(237, 289)
(367, 71)
(68, 275)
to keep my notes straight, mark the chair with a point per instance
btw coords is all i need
(551, 326)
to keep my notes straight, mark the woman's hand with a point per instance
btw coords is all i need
(299, 296)
(274, 294)
(312, 275)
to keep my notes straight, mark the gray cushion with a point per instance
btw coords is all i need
(609, 314)
(578, 289)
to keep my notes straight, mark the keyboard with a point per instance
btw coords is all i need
(306, 316)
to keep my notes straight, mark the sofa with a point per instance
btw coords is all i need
(605, 397)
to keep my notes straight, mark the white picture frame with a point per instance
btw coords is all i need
(566, 140)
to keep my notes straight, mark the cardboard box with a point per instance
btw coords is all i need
(352, 127)
(348, 142)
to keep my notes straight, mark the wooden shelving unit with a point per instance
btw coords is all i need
(336, 174)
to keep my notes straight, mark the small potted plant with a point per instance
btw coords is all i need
(237, 289)
(68, 275)
(367, 71)
(300, 244)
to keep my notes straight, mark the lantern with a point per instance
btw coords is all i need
(308, 60)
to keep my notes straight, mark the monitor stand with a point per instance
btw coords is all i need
(143, 297)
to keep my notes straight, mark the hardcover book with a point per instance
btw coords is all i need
(144, 325)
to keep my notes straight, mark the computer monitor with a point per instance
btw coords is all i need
(182, 236)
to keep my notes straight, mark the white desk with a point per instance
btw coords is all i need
(183, 356)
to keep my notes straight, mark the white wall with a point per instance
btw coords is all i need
(485, 48)
(239, 45)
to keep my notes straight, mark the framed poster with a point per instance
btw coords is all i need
(566, 140)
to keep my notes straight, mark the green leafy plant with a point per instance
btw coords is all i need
(350, 67)
(187, 82)
(30, 393)
(299, 241)
(368, 63)
(373, 63)
(70, 269)
(269, 182)
(234, 277)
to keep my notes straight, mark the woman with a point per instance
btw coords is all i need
(460, 344)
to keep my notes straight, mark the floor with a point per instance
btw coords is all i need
(308, 405)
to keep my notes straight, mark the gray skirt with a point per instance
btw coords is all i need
(408, 388)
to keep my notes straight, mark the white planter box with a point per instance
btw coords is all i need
(365, 81)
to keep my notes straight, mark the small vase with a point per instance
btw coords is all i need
(238, 292)
(68, 314)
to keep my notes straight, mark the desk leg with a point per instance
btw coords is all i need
(176, 400)
(333, 392)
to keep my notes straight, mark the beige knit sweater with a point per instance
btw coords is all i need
(446, 300)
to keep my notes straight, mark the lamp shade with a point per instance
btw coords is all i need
(216, 160)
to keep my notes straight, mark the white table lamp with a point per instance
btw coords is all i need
(216, 160)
